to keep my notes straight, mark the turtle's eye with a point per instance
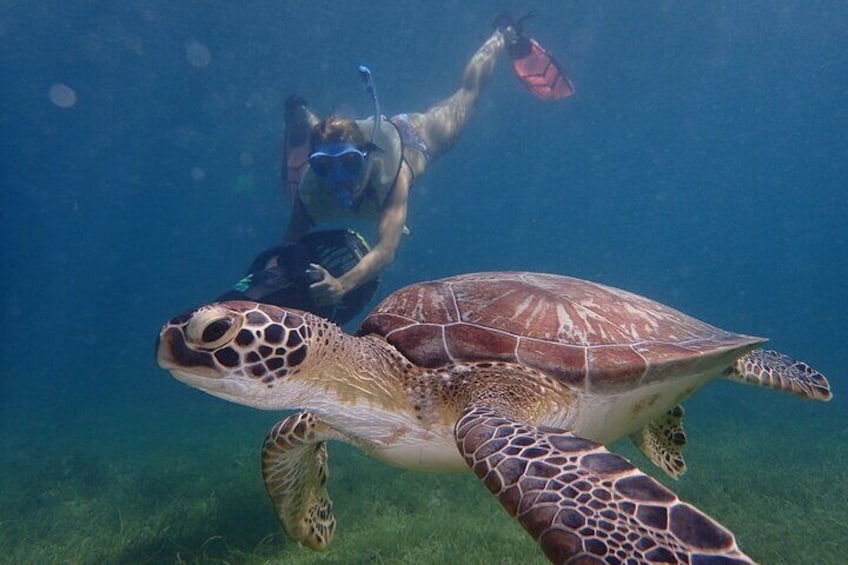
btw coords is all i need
(216, 330)
(212, 328)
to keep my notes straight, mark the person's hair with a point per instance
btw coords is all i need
(335, 129)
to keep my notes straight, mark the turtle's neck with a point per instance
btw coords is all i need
(360, 386)
(346, 369)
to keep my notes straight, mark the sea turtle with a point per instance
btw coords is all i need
(522, 377)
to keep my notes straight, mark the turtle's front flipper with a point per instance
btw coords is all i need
(294, 466)
(772, 369)
(584, 504)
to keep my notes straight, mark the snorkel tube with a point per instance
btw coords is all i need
(365, 75)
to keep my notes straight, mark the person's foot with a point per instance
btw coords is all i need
(294, 107)
(517, 44)
(508, 27)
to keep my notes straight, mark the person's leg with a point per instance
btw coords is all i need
(299, 122)
(440, 126)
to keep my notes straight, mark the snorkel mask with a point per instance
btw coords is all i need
(342, 164)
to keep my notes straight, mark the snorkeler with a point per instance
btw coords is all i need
(339, 168)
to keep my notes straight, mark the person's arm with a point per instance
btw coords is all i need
(389, 230)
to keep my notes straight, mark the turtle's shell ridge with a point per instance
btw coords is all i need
(577, 331)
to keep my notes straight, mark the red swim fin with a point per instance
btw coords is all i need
(296, 155)
(539, 71)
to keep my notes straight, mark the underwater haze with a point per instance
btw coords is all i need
(702, 162)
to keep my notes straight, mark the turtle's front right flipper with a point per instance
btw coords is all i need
(584, 504)
(294, 466)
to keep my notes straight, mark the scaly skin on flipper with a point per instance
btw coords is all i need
(294, 466)
(662, 442)
(584, 504)
(772, 369)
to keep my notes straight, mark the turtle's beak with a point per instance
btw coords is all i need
(198, 368)
(157, 351)
(172, 353)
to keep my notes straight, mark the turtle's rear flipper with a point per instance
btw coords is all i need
(772, 369)
(578, 500)
(294, 466)
(662, 442)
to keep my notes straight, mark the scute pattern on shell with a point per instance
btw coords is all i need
(580, 332)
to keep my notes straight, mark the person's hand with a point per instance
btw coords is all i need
(328, 290)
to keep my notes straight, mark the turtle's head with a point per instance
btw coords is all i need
(244, 352)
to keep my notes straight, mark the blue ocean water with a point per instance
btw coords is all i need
(703, 162)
